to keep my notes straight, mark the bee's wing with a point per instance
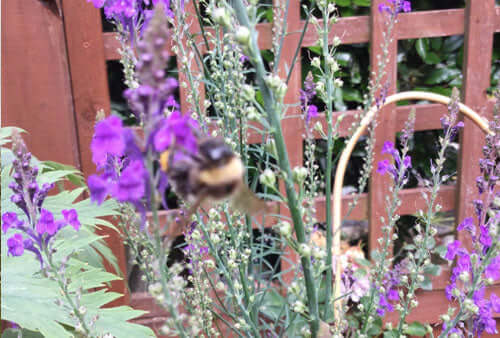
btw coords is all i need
(247, 202)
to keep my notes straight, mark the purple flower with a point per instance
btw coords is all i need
(495, 302)
(493, 269)
(10, 220)
(467, 224)
(130, 186)
(98, 188)
(71, 217)
(453, 250)
(449, 290)
(46, 223)
(388, 148)
(393, 295)
(407, 162)
(108, 140)
(180, 128)
(484, 237)
(383, 167)
(406, 6)
(15, 245)
(312, 111)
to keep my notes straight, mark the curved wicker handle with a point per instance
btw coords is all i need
(346, 154)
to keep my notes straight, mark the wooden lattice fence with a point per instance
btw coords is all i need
(54, 81)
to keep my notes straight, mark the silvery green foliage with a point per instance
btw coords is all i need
(32, 298)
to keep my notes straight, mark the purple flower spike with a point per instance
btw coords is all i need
(15, 245)
(107, 140)
(71, 217)
(46, 223)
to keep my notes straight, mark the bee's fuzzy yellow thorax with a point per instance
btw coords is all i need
(164, 160)
(220, 175)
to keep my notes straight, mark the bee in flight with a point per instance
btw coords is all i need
(215, 173)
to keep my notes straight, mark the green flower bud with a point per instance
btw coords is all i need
(243, 36)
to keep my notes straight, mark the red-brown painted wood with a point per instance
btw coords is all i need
(385, 129)
(476, 71)
(36, 87)
(87, 69)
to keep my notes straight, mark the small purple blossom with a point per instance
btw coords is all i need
(130, 185)
(15, 245)
(493, 269)
(468, 225)
(10, 220)
(453, 250)
(71, 217)
(46, 223)
(98, 187)
(107, 140)
(394, 7)
(383, 167)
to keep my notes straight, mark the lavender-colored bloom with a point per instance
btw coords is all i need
(383, 167)
(484, 236)
(449, 290)
(407, 162)
(312, 111)
(10, 220)
(495, 302)
(177, 127)
(98, 188)
(493, 269)
(393, 295)
(388, 148)
(394, 7)
(107, 140)
(71, 217)
(15, 245)
(46, 223)
(130, 186)
(453, 250)
(468, 225)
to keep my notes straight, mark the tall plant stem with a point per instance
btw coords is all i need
(270, 106)
(328, 191)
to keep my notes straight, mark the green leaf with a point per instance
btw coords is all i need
(351, 94)
(14, 333)
(422, 47)
(436, 43)
(315, 49)
(452, 43)
(343, 3)
(416, 329)
(441, 75)
(343, 58)
(391, 334)
(362, 3)
(432, 58)
(432, 269)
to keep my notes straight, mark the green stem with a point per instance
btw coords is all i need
(284, 164)
(328, 193)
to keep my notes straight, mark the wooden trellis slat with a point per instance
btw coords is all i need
(478, 48)
(88, 74)
(385, 129)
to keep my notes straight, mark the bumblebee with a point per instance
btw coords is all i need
(215, 173)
